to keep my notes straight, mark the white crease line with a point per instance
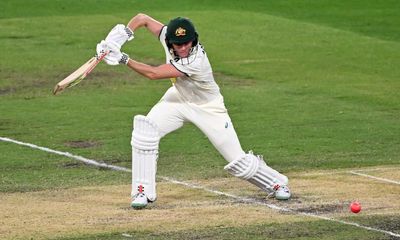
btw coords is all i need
(373, 177)
(127, 235)
(194, 186)
(66, 154)
(334, 172)
(273, 206)
(355, 172)
(241, 199)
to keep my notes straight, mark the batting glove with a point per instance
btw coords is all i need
(115, 56)
(101, 48)
(120, 35)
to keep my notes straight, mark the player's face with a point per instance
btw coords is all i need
(183, 49)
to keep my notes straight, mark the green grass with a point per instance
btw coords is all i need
(309, 94)
(371, 18)
(299, 230)
(309, 84)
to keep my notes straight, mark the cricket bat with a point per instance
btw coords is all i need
(79, 74)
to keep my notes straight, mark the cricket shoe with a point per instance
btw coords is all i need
(139, 201)
(281, 192)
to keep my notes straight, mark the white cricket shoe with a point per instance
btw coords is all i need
(282, 192)
(139, 201)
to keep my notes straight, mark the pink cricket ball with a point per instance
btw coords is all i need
(355, 207)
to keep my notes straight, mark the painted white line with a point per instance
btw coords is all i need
(238, 198)
(373, 177)
(334, 172)
(194, 186)
(127, 235)
(357, 172)
(378, 169)
(273, 206)
(66, 154)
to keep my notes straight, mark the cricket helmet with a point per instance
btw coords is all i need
(181, 30)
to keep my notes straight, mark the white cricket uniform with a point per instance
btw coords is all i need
(196, 98)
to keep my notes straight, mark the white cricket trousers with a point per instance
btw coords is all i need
(212, 118)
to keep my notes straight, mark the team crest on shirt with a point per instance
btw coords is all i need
(180, 32)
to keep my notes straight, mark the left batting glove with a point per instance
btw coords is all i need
(115, 56)
(101, 48)
(120, 35)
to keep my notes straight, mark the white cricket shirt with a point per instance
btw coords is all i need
(198, 85)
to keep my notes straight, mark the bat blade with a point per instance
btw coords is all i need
(78, 75)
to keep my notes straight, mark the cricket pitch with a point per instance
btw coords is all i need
(97, 210)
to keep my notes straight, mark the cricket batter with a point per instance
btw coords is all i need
(193, 97)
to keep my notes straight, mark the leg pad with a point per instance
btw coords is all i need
(145, 141)
(253, 169)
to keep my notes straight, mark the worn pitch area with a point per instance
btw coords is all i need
(96, 210)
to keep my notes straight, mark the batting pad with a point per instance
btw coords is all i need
(253, 169)
(145, 140)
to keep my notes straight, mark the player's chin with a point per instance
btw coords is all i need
(183, 54)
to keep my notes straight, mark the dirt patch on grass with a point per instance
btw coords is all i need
(105, 209)
(323, 208)
(385, 222)
(233, 81)
(5, 123)
(82, 144)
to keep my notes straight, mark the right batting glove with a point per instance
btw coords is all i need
(120, 35)
(115, 56)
